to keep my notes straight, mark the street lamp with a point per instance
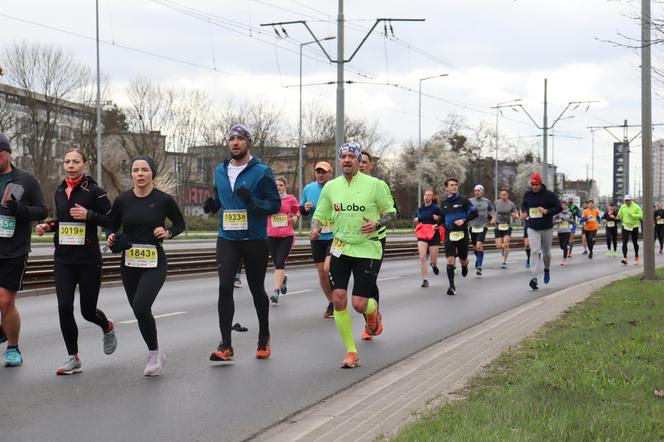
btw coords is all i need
(419, 139)
(300, 165)
(497, 107)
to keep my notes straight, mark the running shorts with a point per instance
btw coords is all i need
(500, 233)
(478, 237)
(12, 271)
(364, 271)
(320, 249)
(457, 248)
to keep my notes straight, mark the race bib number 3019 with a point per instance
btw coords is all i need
(71, 234)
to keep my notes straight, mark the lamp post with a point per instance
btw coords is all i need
(300, 164)
(98, 104)
(497, 107)
(419, 138)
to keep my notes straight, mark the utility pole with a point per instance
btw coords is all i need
(340, 61)
(646, 151)
(99, 159)
(545, 127)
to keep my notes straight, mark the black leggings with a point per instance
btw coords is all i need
(88, 278)
(280, 249)
(254, 254)
(612, 238)
(142, 286)
(634, 234)
(590, 238)
(563, 239)
(659, 234)
(375, 294)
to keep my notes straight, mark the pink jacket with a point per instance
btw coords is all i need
(278, 225)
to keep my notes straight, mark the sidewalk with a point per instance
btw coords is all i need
(382, 403)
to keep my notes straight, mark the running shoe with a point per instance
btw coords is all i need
(71, 366)
(503, 265)
(237, 283)
(374, 324)
(366, 336)
(451, 290)
(590, 255)
(464, 271)
(3, 338)
(569, 255)
(156, 361)
(435, 269)
(351, 360)
(478, 271)
(329, 311)
(547, 276)
(609, 253)
(527, 264)
(563, 262)
(13, 358)
(660, 251)
(624, 261)
(275, 297)
(585, 252)
(223, 353)
(425, 283)
(284, 288)
(110, 340)
(637, 260)
(263, 348)
(533, 284)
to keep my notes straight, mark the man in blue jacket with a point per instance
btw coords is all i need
(539, 206)
(246, 193)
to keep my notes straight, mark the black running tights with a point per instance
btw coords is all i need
(88, 279)
(590, 238)
(142, 286)
(563, 239)
(612, 238)
(659, 234)
(634, 235)
(254, 254)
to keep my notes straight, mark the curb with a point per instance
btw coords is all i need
(385, 401)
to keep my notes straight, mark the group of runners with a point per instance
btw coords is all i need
(348, 217)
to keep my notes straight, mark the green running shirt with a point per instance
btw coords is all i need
(346, 204)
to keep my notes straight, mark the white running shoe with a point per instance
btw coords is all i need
(156, 361)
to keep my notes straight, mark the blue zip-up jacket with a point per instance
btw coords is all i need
(456, 207)
(257, 177)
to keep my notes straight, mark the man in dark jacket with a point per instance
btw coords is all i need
(539, 206)
(21, 202)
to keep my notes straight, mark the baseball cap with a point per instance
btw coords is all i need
(479, 187)
(323, 165)
(628, 197)
(4, 143)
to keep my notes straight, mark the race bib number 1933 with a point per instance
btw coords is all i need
(235, 219)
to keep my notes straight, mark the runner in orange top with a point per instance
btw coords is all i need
(590, 217)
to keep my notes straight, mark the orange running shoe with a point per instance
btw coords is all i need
(351, 360)
(366, 336)
(637, 260)
(223, 353)
(374, 324)
(263, 350)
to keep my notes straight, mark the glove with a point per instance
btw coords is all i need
(17, 208)
(120, 244)
(210, 205)
(244, 194)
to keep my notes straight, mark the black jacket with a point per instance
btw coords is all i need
(545, 199)
(89, 195)
(28, 193)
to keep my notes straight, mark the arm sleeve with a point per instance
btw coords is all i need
(639, 212)
(295, 207)
(114, 218)
(303, 200)
(269, 201)
(471, 211)
(555, 207)
(384, 199)
(324, 207)
(175, 215)
(100, 213)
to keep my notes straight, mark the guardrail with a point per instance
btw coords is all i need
(39, 273)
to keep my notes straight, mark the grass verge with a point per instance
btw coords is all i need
(588, 376)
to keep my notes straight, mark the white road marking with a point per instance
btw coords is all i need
(165, 315)
(299, 291)
(390, 278)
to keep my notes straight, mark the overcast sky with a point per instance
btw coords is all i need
(493, 51)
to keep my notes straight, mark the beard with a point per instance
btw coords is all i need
(240, 155)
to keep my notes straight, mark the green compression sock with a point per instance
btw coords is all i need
(371, 306)
(345, 326)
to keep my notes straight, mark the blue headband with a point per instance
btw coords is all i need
(240, 130)
(151, 164)
(353, 148)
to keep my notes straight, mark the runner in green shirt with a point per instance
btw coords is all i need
(631, 215)
(358, 206)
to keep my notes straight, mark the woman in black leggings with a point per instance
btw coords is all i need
(281, 236)
(80, 206)
(659, 225)
(611, 221)
(142, 212)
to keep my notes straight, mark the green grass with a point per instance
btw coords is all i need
(589, 376)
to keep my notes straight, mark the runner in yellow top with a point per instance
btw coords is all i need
(631, 216)
(358, 205)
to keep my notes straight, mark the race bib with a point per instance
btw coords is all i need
(628, 227)
(591, 219)
(337, 247)
(456, 236)
(327, 227)
(142, 256)
(503, 227)
(477, 229)
(7, 226)
(71, 234)
(610, 224)
(534, 212)
(280, 220)
(564, 225)
(235, 219)
(660, 221)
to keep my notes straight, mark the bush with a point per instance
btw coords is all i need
(202, 223)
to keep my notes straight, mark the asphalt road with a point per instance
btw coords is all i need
(195, 399)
